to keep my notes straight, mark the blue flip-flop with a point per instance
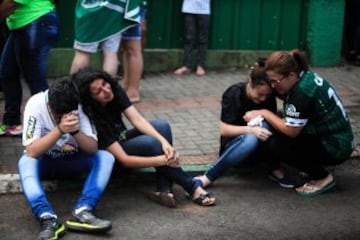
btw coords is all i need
(317, 190)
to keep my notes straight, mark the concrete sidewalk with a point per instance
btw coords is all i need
(249, 205)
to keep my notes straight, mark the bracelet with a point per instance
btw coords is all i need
(74, 132)
(61, 131)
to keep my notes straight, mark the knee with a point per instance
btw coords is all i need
(163, 127)
(133, 50)
(27, 166)
(105, 158)
(81, 58)
(153, 145)
(160, 124)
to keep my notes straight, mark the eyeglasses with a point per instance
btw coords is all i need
(276, 82)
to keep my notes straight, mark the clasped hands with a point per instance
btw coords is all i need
(171, 155)
(69, 122)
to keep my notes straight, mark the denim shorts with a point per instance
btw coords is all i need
(134, 33)
(111, 44)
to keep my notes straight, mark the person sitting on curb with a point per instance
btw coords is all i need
(148, 144)
(243, 142)
(60, 143)
(316, 130)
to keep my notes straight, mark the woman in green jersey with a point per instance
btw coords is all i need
(316, 127)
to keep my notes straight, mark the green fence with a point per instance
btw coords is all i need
(235, 24)
(240, 31)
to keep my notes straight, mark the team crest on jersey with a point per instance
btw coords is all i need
(290, 111)
(30, 127)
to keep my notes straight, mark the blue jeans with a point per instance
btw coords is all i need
(25, 52)
(236, 152)
(139, 144)
(95, 167)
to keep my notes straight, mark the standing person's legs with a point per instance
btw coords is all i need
(81, 59)
(110, 63)
(110, 48)
(133, 68)
(3, 37)
(36, 40)
(189, 41)
(26, 50)
(202, 27)
(10, 77)
(189, 38)
(132, 62)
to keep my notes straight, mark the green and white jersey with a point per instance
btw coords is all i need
(313, 104)
(97, 20)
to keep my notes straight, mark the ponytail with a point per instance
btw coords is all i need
(286, 62)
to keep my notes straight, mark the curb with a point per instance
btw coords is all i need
(10, 183)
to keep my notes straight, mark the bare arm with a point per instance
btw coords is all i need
(68, 123)
(41, 145)
(135, 161)
(275, 121)
(86, 143)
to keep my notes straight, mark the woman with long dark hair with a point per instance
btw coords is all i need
(148, 144)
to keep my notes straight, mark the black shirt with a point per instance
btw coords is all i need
(235, 103)
(110, 125)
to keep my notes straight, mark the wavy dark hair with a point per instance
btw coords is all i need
(102, 116)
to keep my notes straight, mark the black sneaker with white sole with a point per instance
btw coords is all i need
(86, 221)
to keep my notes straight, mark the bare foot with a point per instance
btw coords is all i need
(200, 71)
(182, 71)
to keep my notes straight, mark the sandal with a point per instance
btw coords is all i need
(311, 190)
(206, 199)
(163, 198)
